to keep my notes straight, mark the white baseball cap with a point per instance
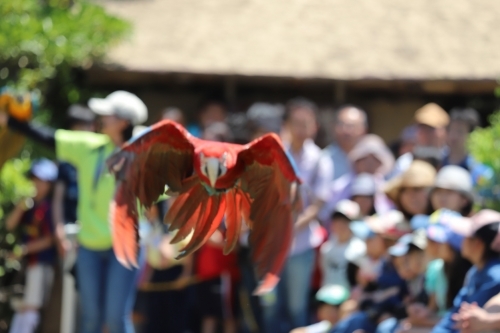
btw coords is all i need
(122, 104)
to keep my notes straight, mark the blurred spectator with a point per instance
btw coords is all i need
(106, 287)
(350, 124)
(315, 169)
(174, 114)
(216, 291)
(211, 111)
(453, 190)
(370, 156)
(408, 140)
(463, 122)
(382, 289)
(410, 190)
(262, 118)
(363, 191)
(166, 283)
(265, 118)
(411, 264)
(431, 121)
(481, 247)
(330, 300)
(34, 216)
(65, 200)
(473, 318)
(239, 125)
(333, 257)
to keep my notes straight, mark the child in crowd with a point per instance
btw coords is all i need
(333, 257)
(481, 246)
(411, 264)
(381, 287)
(363, 191)
(445, 272)
(410, 190)
(453, 190)
(330, 300)
(34, 216)
(216, 289)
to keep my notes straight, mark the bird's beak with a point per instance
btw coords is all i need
(212, 170)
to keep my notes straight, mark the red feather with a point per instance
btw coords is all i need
(254, 184)
(233, 220)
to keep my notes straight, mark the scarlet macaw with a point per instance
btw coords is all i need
(256, 183)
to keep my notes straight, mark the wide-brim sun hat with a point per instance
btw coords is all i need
(455, 178)
(372, 144)
(432, 115)
(420, 174)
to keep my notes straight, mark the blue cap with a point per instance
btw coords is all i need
(361, 230)
(401, 247)
(416, 238)
(44, 169)
(442, 234)
(419, 222)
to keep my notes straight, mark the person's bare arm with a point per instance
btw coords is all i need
(58, 217)
(39, 245)
(472, 318)
(308, 215)
(15, 216)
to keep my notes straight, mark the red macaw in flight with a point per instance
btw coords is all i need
(255, 183)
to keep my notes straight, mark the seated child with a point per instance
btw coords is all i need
(380, 287)
(332, 253)
(330, 299)
(481, 246)
(34, 216)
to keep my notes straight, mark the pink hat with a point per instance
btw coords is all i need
(391, 224)
(469, 226)
(372, 144)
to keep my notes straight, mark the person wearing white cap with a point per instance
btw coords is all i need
(106, 287)
(452, 190)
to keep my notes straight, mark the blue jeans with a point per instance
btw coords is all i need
(106, 291)
(287, 306)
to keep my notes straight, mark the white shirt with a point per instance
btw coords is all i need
(316, 171)
(333, 259)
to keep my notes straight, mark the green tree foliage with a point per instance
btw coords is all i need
(45, 45)
(484, 145)
(41, 39)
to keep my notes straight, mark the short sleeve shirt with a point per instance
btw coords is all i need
(479, 287)
(334, 260)
(87, 152)
(436, 283)
(316, 171)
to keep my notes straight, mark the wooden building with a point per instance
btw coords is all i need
(389, 56)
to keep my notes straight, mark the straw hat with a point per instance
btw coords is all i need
(432, 115)
(419, 174)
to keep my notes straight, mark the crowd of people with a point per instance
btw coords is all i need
(388, 240)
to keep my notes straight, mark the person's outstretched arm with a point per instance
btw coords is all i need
(37, 132)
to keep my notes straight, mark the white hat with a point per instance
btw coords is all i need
(363, 184)
(455, 178)
(122, 104)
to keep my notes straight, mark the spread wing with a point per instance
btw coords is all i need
(269, 181)
(162, 155)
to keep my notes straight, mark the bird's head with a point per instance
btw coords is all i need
(213, 166)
